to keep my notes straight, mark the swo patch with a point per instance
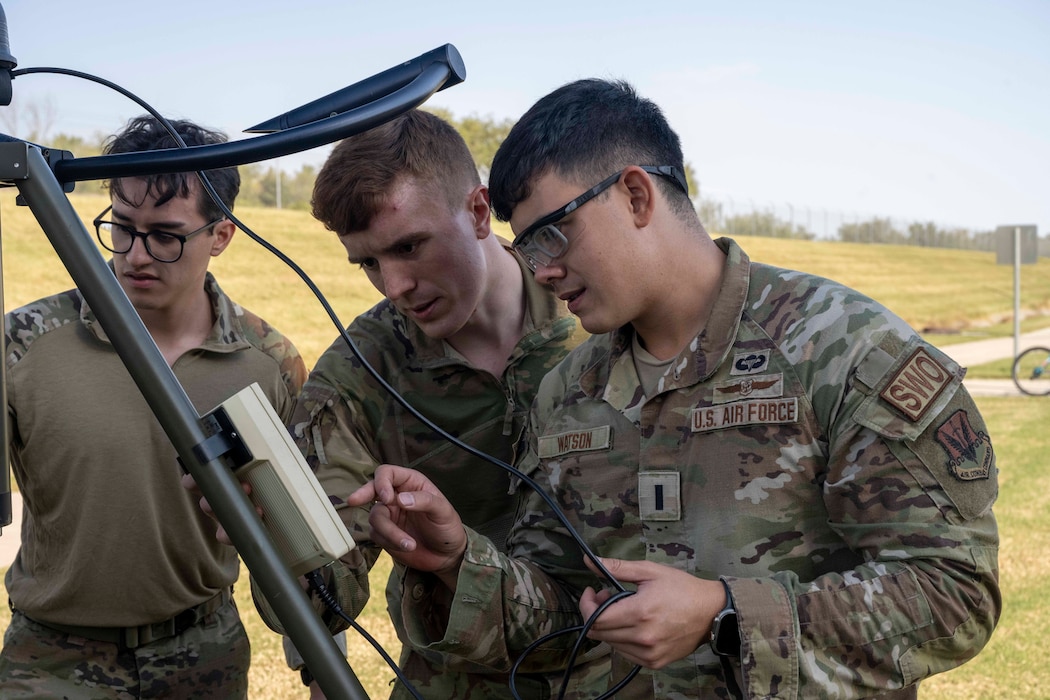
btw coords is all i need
(917, 384)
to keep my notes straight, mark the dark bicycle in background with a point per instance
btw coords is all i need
(1031, 371)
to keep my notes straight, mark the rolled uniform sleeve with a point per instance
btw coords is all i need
(501, 605)
(504, 602)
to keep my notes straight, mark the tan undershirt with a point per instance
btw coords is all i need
(650, 369)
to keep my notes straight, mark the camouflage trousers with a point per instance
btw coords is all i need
(434, 680)
(208, 660)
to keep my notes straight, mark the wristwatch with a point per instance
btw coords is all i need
(725, 633)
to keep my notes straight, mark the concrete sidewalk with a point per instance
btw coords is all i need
(967, 354)
(980, 351)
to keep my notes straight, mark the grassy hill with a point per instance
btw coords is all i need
(960, 290)
(930, 288)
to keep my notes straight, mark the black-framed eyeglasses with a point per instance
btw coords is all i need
(162, 246)
(543, 242)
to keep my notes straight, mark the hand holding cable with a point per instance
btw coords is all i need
(666, 619)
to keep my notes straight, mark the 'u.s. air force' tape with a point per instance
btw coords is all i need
(750, 412)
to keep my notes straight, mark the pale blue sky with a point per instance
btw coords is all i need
(933, 110)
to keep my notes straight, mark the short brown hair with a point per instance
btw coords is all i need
(361, 171)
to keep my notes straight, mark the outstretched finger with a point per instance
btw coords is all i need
(362, 496)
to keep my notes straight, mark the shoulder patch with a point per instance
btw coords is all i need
(969, 451)
(917, 384)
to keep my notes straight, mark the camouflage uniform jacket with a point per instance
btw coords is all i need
(807, 448)
(346, 425)
(109, 536)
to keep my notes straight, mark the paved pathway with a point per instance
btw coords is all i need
(967, 354)
(980, 351)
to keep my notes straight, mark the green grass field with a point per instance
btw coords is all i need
(962, 291)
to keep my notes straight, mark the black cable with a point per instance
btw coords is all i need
(562, 518)
(318, 585)
(113, 86)
(583, 630)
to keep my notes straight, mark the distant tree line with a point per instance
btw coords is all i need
(269, 186)
(755, 223)
(876, 230)
(924, 235)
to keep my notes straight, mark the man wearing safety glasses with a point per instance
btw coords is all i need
(119, 588)
(797, 487)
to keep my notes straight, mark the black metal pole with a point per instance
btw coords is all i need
(6, 515)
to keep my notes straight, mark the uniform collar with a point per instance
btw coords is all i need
(543, 312)
(226, 334)
(612, 376)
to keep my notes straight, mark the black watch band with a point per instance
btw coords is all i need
(307, 677)
(725, 632)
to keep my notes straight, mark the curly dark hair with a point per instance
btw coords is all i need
(145, 133)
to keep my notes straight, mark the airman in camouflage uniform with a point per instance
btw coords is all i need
(344, 418)
(464, 335)
(119, 588)
(791, 453)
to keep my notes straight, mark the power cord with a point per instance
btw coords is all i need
(622, 591)
(317, 584)
(582, 630)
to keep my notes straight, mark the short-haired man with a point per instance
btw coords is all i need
(119, 588)
(797, 485)
(464, 334)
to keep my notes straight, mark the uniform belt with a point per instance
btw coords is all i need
(133, 637)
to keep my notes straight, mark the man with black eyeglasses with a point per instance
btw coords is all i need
(119, 588)
(794, 486)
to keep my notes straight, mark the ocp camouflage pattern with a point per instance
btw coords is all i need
(209, 660)
(347, 424)
(235, 328)
(808, 448)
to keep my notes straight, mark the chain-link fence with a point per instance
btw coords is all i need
(737, 216)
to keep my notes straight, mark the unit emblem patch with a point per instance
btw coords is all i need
(969, 451)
